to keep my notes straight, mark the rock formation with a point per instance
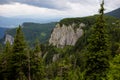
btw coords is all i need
(66, 35)
(55, 57)
(8, 38)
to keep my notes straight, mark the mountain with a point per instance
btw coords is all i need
(12, 22)
(64, 40)
(66, 35)
(33, 31)
(115, 13)
(70, 31)
(2, 32)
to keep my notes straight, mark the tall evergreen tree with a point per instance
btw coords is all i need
(4, 62)
(19, 44)
(19, 57)
(37, 49)
(1, 48)
(37, 66)
(28, 51)
(98, 49)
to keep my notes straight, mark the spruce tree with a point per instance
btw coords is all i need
(37, 49)
(1, 48)
(19, 44)
(37, 66)
(19, 57)
(98, 49)
(4, 62)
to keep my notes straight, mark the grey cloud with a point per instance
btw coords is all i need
(112, 3)
(61, 4)
(85, 2)
(52, 4)
(5, 1)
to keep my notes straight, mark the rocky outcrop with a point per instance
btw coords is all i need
(8, 38)
(66, 35)
(55, 57)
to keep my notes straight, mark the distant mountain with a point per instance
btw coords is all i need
(33, 31)
(115, 13)
(2, 32)
(12, 22)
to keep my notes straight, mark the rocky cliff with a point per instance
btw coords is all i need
(66, 35)
(8, 38)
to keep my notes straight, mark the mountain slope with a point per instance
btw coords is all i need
(33, 31)
(115, 13)
(68, 30)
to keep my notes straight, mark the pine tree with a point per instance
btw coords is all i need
(1, 48)
(19, 44)
(98, 49)
(37, 66)
(5, 61)
(19, 57)
(37, 49)
(28, 51)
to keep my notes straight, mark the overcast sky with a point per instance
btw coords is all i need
(53, 8)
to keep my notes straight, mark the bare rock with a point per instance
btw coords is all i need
(66, 35)
(8, 38)
(55, 57)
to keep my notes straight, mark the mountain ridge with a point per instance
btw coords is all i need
(64, 34)
(33, 31)
(114, 13)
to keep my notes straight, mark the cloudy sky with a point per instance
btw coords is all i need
(53, 8)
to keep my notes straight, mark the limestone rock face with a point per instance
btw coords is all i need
(66, 35)
(8, 38)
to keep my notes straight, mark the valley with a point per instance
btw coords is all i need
(71, 48)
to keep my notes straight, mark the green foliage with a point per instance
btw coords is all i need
(89, 59)
(50, 51)
(88, 21)
(37, 69)
(112, 30)
(8, 48)
(98, 49)
(4, 61)
(1, 48)
(70, 21)
(33, 31)
(114, 71)
(36, 63)
(19, 44)
(37, 46)
(21, 63)
(115, 31)
(19, 57)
